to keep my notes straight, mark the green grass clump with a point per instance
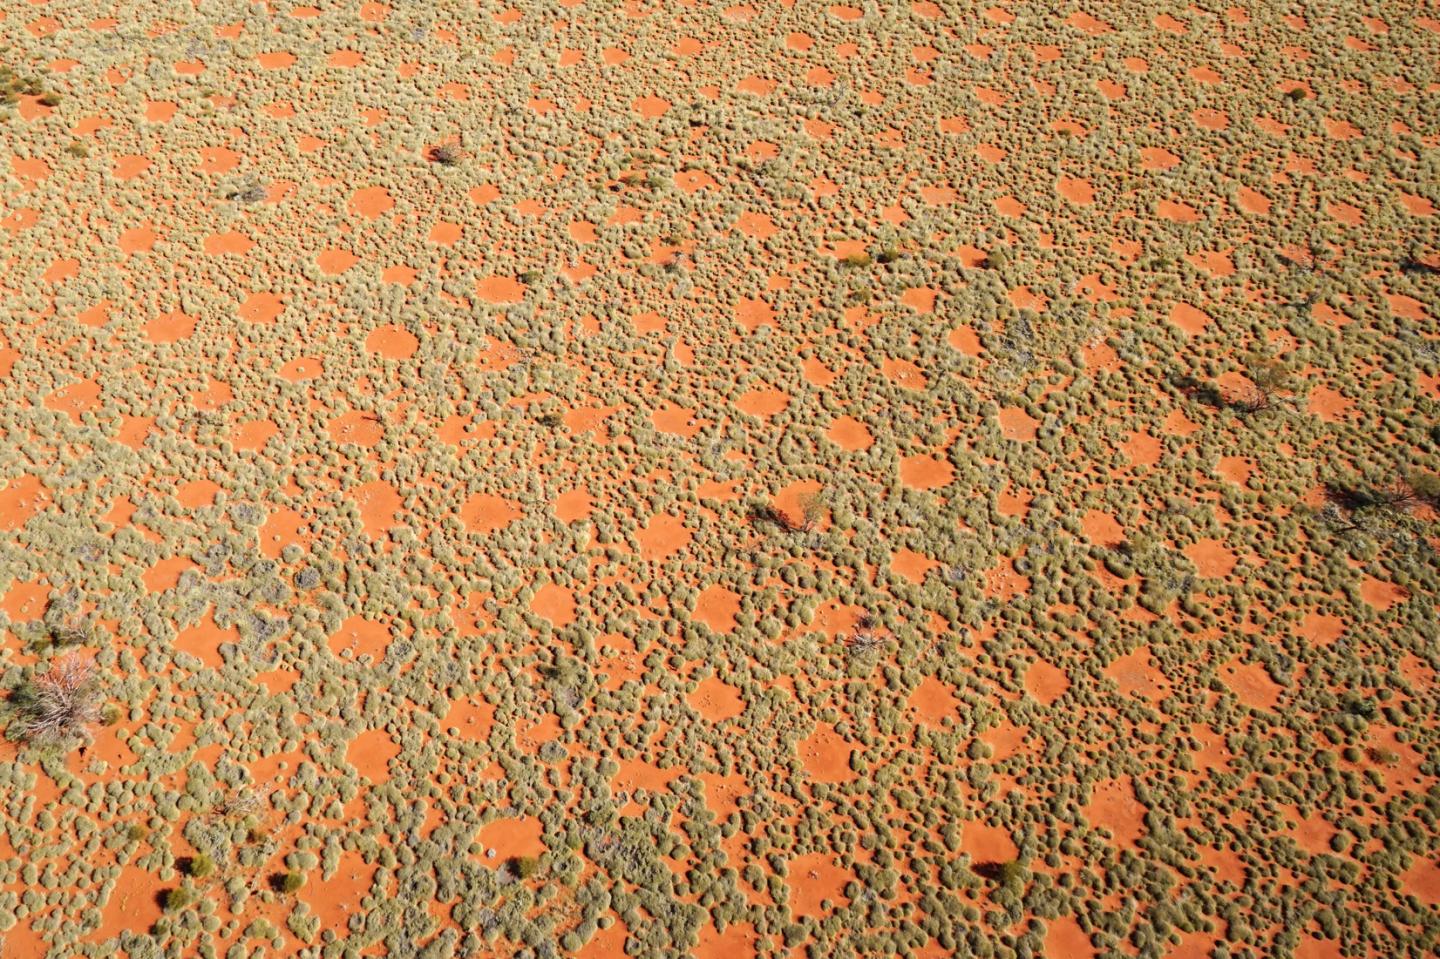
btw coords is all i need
(200, 866)
(178, 898)
(1425, 486)
(1003, 874)
(289, 882)
(1385, 757)
(524, 867)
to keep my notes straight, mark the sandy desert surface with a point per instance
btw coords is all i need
(653, 479)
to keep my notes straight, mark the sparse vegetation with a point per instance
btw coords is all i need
(831, 479)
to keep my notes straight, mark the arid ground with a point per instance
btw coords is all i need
(664, 479)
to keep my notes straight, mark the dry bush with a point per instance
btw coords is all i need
(1269, 377)
(244, 801)
(763, 514)
(1394, 496)
(447, 154)
(812, 510)
(60, 707)
(864, 638)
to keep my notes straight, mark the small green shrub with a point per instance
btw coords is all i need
(288, 883)
(1385, 757)
(200, 866)
(1012, 873)
(524, 867)
(1004, 874)
(178, 898)
(1425, 486)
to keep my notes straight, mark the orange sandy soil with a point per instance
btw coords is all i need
(770, 479)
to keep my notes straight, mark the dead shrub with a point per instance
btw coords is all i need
(59, 708)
